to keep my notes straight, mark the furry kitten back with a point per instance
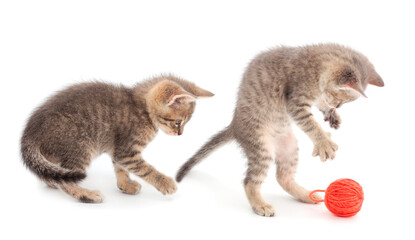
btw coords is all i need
(77, 124)
(278, 88)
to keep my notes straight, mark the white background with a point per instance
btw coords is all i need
(47, 45)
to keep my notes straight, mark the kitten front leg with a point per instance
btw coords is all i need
(124, 182)
(136, 165)
(323, 145)
(259, 160)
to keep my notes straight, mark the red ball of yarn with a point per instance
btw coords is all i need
(344, 197)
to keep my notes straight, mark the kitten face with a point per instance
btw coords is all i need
(348, 84)
(173, 120)
(337, 97)
(171, 106)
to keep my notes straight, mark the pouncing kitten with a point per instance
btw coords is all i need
(79, 123)
(278, 88)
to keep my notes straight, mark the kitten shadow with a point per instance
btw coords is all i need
(199, 186)
(106, 183)
(289, 207)
(231, 197)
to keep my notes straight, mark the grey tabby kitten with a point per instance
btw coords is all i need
(79, 123)
(279, 87)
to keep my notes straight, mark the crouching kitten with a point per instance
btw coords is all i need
(79, 123)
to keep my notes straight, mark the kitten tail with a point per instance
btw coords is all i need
(49, 172)
(216, 141)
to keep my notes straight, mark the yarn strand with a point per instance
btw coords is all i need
(316, 200)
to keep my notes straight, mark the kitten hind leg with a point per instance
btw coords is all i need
(82, 194)
(287, 159)
(258, 165)
(258, 204)
(124, 182)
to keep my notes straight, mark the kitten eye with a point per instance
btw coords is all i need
(178, 122)
(168, 119)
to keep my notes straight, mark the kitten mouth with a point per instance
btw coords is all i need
(172, 133)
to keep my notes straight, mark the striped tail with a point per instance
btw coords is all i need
(216, 141)
(47, 171)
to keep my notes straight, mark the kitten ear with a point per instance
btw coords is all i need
(349, 81)
(201, 93)
(195, 90)
(375, 79)
(180, 97)
(356, 86)
(169, 93)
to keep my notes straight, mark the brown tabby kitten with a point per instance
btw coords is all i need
(278, 88)
(83, 121)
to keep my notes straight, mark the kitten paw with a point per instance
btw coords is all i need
(326, 149)
(166, 185)
(91, 197)
(333, 118)
(129, 187)
(266, 210)
(315, 196)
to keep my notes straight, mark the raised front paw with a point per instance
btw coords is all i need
(325, 148)
(333, 118)
(166, 185)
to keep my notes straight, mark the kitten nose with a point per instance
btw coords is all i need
(180, 132)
